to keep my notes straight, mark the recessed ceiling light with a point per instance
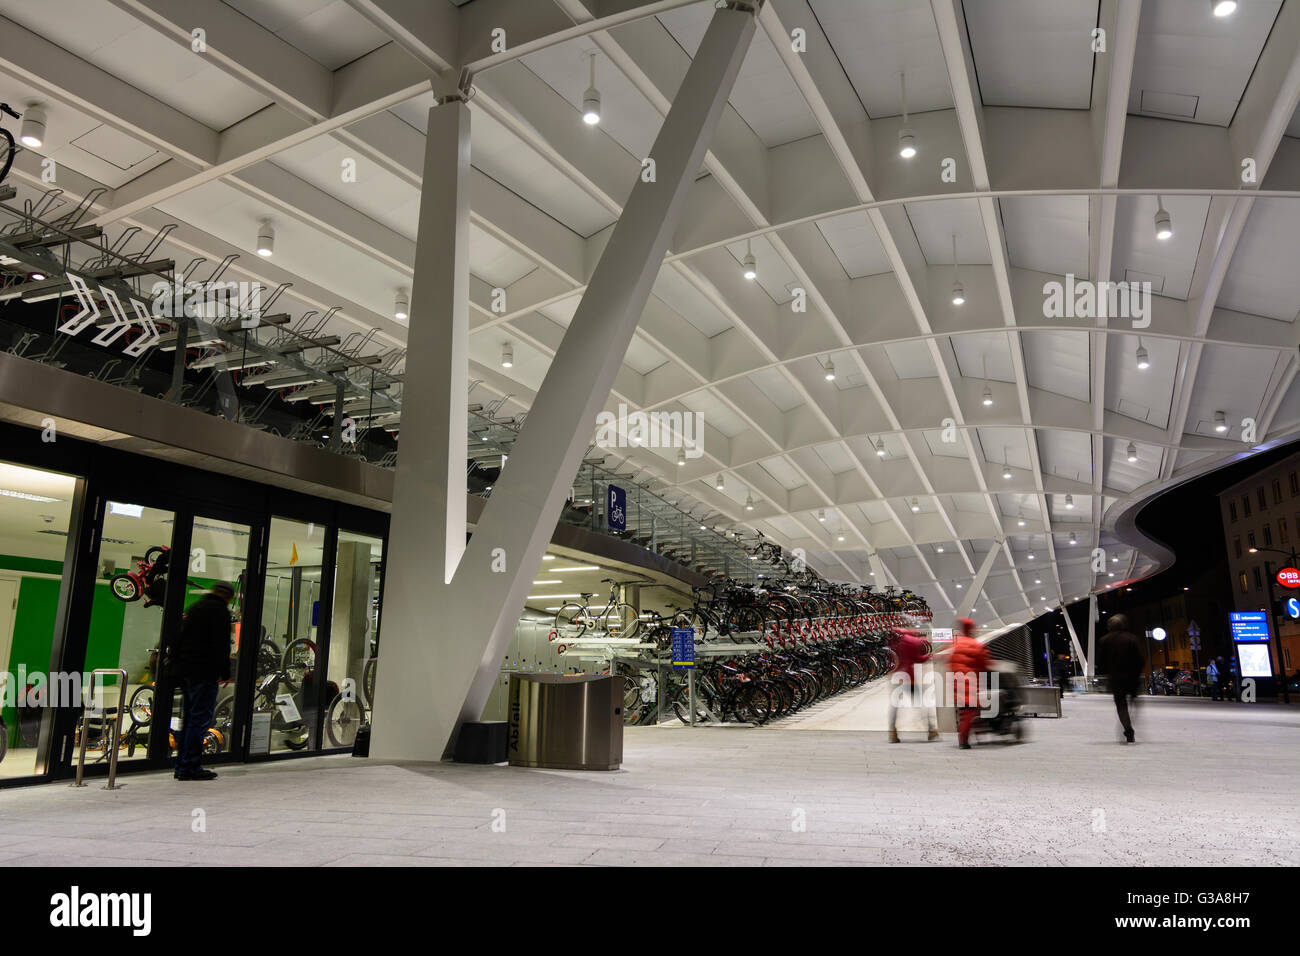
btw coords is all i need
(1223, 8)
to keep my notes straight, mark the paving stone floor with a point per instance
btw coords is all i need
(1207, 784)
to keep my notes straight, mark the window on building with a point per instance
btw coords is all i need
(1268, 536)
(1236, 546)
(1232, 510)
(1244, 586)
(1263, 499)
(1295, 485)
(1245, 505)
(1250, 539)
(1259, 580)
(1282, 536)
(1277, 491)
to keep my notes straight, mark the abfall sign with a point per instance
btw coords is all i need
(1289, 578)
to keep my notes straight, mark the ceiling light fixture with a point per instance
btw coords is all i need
(1132, 452)
(1164, 224)
(1073, 538)
(906, 138)
(839, 537)
(988, 396)
(507, 355)
(939, 548)
(1069, 502)
(591, 98)
(401, 305)
(749, 502)
(681, 457)
(1223, 8)
(821, 515)
(749, 263)
(265, 239)
(830, 370)
(1143, 362)
(718, 485)
(915, 506)
(1006, 473)
(1220, 422)
(1020, 519)
(32, 132)
(880, 448)
(958, 293)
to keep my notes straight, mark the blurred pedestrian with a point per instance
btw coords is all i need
(912, 652)
(968, 661)
(1062, 671)
(1212, 675)
(1120, 658)
(201, 658)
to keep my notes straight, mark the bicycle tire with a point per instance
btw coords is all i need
(141, 704)
(368, 680)
(621, 620)
(223, 715)
(571, 621)
(152, 554)
(124, 587)
(296, 662)
(342, 720)
(7, 160)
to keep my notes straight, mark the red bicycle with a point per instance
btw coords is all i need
(148, 581)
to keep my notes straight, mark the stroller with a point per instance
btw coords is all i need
(1005, 703)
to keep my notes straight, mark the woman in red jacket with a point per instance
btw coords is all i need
(969, 659)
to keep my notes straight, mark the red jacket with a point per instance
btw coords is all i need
(969, 656)
(911, 651)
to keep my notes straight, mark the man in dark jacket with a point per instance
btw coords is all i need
(1121, 659)
(201, 658)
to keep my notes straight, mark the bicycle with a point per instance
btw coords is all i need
(7, 148)
(147, 581)
(616, 619)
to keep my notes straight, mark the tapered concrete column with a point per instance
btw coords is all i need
(977, 586)
(438, 663)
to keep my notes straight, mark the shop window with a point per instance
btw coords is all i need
(1268, 536)
(1282, 536)
(1250, 539)
(1244, 586)
(1277, 491)
(35, 509)
(285, 699)
(1232, 510)
(1259, 580)
(1263, 499)
(354, 635)
(1245, 506)
(1236, 547)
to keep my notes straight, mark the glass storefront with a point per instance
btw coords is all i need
(35, 510)
(90, 579)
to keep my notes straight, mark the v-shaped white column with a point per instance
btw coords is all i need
(446, 625)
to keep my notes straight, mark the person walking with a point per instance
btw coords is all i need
(1062, 671)
(1212, 675)
(969, 659)
(910, 648)
(200, 659)
(1120, 658)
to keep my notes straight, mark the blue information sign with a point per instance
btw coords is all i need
(1292, 608)
(616, 508)
(1249, 625)
(683, 647)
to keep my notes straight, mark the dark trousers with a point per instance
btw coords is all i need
(1214, 690)
(1122, 691)
(200, 699)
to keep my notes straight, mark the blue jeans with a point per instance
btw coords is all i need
(199, 700)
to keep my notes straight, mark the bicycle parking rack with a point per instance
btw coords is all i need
(115, 737)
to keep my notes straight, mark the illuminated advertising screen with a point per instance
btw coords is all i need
(1249, 625)
(1254, 660)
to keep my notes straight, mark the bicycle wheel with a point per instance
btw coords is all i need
(223, 715)
(571, 621)
(342, 720)
(140, 708)
(269, 657)
(368, 680)
(296, 735)
(299, 658)
(6, 153)
(124, 587)
(151, 555)
(621, 621)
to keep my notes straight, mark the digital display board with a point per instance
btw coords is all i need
(1249, 625)
(1255, 660)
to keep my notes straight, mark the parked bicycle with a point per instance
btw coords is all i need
(7, 148)
(148, 580)
(615, 619)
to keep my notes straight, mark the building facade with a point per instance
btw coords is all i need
(1261, 515)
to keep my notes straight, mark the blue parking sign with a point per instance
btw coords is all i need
(616, 508)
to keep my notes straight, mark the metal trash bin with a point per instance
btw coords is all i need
(566, 722)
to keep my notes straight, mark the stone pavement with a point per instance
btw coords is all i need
(1207, 784)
